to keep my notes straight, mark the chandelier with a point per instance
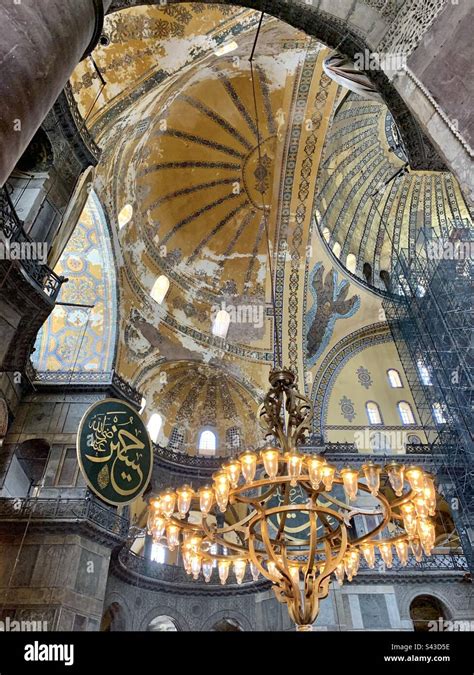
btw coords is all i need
(294, 518)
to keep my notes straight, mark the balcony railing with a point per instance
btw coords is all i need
(64, 510)
(12, 228)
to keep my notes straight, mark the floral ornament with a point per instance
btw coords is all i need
(364, 377)
(347, 409)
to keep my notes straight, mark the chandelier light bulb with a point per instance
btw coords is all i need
(223, 568)
(273, 570)
(221, 489)
(349, 480)
(426, 532)
(415, 477)
(248, 462)
(351, 563)
(368, 551)
(172, 536)
(328, 473)
(195, 565)
(271, 457)
(401, 547)
(416, 549)
(315, 469)
(255, 571)
(294, 461)
(429, 493)
(396, 473)
(339, 573)
(386, 553)
(232, 469)
(239, 570)
(205, 499)
(185, 495)
(158, 527)
(207, 570)
(168, 502)
(421, 506)
(372, 476)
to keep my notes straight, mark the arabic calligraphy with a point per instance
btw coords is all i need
(114, 451)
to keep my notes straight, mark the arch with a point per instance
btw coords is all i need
(229, 614)
(113, 619)
(406, 413)
(394, 378)
(227, 626)
(163, 624)
(351, 263)
(78, 343)
(385, 278)
(221, 323)
(373, 412)
(367, 272)
(336, 249)
(426, 609)
(125, 216)
(164, 610)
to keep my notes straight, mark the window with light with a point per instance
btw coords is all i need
(373, 413)
(394, 378)
(406, 413)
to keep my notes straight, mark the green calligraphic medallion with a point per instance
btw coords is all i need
(114, 451)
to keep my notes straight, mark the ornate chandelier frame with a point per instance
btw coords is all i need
(244, 518)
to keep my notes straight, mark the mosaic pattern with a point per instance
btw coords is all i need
(364, 377)
(76, 339)
(347, 409)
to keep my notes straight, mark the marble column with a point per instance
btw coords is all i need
(41, 42)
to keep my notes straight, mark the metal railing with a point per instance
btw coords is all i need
(64, 510)
(12, 228)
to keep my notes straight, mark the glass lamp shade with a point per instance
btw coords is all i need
(196, 562)
(396, 473)
(421, 506)
(426, 532)
(401, 547)
(221, 489)
(273, 570)
(416, 549)
(294, 461)
(315, 470)
(328, 472)
(168, 502)
(185, 495)
(223, 568)
(349, 480)
(255, 571)
(372, 476)
(271, 457)
(248, 462)
(429, 493)
(239, 570)
(207, 570)
(157, 527)
(206, 497)
(172, 536)
(386, 553)
(415, 477)
(232, 469)
(368, 551)
(351, 563)
(339, 573)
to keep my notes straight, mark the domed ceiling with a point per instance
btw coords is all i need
(179, 126)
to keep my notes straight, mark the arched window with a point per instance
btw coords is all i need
(385, 277)
(163, 624)
(394, 378)
(207, 442)
(336, 249)
(425, 375)
(160, 289)
(220, 326)
(367, 272)
(326, 234)
(154, 426)
(351, 263)
(425, 611)
(406, 413)
(438, 413)
(373, 413)
(420, 291)
(125, 216)
(142, 406)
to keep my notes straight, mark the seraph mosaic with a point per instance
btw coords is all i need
(330, 303)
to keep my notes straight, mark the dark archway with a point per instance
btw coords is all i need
(113, 619)
(227, 626)
(424, 610)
